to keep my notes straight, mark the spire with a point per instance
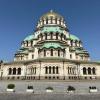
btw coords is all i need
(51, 11)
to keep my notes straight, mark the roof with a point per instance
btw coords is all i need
(52, 29)
(73, 37)
(51, 45)
(30, 37)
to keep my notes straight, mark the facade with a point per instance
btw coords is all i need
(51, 53)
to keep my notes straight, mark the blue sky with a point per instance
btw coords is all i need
(18, 19)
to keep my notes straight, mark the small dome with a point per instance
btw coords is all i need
(51, 13)
(28, 38)
(73, 37)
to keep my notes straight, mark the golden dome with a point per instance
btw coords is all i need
(51, 13)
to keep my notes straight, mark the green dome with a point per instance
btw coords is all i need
(51, 45)
(28, 38)
(73, 37)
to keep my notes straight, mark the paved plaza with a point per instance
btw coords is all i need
(59, 93)
(81, 87)
(15, 96)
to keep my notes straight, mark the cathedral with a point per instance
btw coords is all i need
(51, 52)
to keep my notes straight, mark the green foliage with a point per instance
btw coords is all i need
(49, 88)
(11, 86)
(71, 88)
(30, 87)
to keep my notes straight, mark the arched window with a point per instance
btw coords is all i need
(45, 36)
(46, 70)
(55, 20)
(32, 56)
(31, 43)
(19, 71)
(93, 70)
(76, 43)
(89, 70)
(79, 43)
(27, 43)
(34, 70)
(46, 21)
(60, 21)
(44, 53)
(61, 36)
(14, 71)
(43, 21)
(84, 71)
(51, 34)
(51, 19)
(56, 36)
(64, 37)
(10, 71)
(49, 69)
(57, 70)
(53, 69)
(51, 52)
(70, 56)
(58, 52)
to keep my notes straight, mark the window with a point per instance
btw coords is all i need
(84, 71)
(45, 36)
(56, 36)
(49, 69)
(64, 37)
(58, 52)
(53, 69)
(31, 43)
(32, 56)
(51, 19)
(51, 35)
(19, 71)
(93, 71)
(10, 71)
(14, 71)
(46, 21)
(46, 70)
(27, 43)
(75, 43)
(35, 70)
(41, 37)
(70, 56)
(61, 36)
(57, 70)
(51, 52)
(79, 43)
(71, 42)
(68, 70)
(89, 70)
(44, 53)
(56, 21)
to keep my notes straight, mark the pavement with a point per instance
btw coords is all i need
(16, 96)
(59, 90)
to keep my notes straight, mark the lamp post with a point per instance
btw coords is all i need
(40, 69)
(1, 64)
